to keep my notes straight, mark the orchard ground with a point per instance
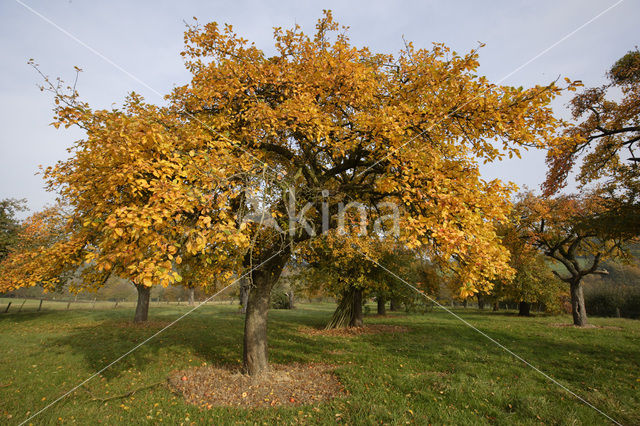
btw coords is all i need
(437, 371)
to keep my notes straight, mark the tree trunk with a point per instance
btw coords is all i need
(382, 306)
(394, 305)
(480, 301)
(356, 318)
(348, 313)
(192, 299)
(577, 304)
(496, 306)
(255, 351)
(524, 309)
(291, 299)
(244, 295)
(142, 308)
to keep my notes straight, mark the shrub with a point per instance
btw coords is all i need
(280, 300)
(606, 301)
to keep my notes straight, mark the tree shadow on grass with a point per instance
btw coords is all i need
(523, 332)
(22, 317)
(215, 337)
(570, 355)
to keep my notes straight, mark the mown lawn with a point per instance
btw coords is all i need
(441, 372)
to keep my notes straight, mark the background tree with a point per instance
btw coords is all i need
(605, 138)
(243, 294)
(604, 142)
(343, 267)
(616, 294)
(576, 232)
(290, 283)
(31, 261)
(534, 281)
(413, 267)
(9, 224)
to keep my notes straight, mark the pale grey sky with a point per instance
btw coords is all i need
(145, 38)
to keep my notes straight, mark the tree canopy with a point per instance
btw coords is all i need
(606, 135)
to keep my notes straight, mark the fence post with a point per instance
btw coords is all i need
(8, 306)
(40, 306)
(20, 309)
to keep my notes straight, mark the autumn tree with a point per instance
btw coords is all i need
(354, 270)
(605, 136)
(413, 267)
(534, 280)
(330, 121)
(578, 233)
(9, 224)
(343, 268)
(141, 194)
(318, 123)
(30, 262)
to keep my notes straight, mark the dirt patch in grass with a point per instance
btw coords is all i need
(605, 327)
(295, 384)
(355, 331)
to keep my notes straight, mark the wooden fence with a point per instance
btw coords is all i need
(16, 305)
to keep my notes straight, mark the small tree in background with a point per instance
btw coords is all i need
(30, 260)
(534, 281)
(9, 224)
(413, 268)
(342, 266)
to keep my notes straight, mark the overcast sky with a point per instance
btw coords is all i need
(143, 40)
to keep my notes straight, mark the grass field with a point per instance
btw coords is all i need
(440, 372)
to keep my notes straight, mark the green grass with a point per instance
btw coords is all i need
(441, 372)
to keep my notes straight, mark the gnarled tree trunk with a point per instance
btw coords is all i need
(348, 313)
(255, 352)
(142, 308)
(524, 309)
(577, 304)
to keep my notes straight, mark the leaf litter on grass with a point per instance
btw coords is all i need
(294, 384)
(354, 331)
